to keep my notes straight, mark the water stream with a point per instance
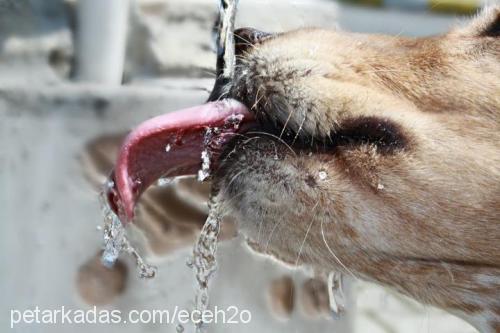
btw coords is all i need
(204, 261)
(116, 240)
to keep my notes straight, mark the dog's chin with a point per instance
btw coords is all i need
(262, 186)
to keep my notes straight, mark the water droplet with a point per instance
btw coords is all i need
(336, 293)
(146, 271)
(164, 181)
(115, 237)
(167, 148)
(213, 138)
(204, 172)
(322, 175)
(179, 328)
(109, 185)
(234, 120)
(189, 262)
(114, 232)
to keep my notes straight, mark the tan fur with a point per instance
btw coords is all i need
(420, 214)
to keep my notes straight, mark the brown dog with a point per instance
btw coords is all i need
(379, 156)
(373, 155)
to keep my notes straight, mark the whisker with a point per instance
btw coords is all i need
(300, 129)
(223, 95)
(232, 180)
(257, 98)
(261, 223)
(277, 138)
(276, 225)
(226, 203)
(248, 139)
(247, 42)
(209, 72)
(332, 253)
(450, 273)
(290, 114)
(307, 233)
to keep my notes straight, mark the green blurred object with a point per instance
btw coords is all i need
(455, 6)
(372, 3)
(443, 6)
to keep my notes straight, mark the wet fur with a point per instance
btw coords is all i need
(407, 132)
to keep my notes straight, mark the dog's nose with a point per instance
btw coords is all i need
(246, 38)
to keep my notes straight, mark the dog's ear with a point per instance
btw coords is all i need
(485, 24)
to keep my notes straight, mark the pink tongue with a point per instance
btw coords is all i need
(171, 145)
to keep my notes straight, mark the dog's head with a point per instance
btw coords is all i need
(377, 155)
(374, 155)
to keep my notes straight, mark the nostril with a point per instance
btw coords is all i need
(248, 37)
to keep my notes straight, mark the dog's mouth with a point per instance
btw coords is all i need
(183, 142)
(175, 144)
(188, 142)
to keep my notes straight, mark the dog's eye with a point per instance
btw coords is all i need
(387, 135)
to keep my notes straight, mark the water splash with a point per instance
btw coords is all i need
(204, 172)
(336, 295)
(114, 232)
(213, 138)
(115, 237)
(204, 261)
(206, 154)
(144, 269)
(234, 120)
(165, 181)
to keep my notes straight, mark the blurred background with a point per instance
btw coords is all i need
(75, 76)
